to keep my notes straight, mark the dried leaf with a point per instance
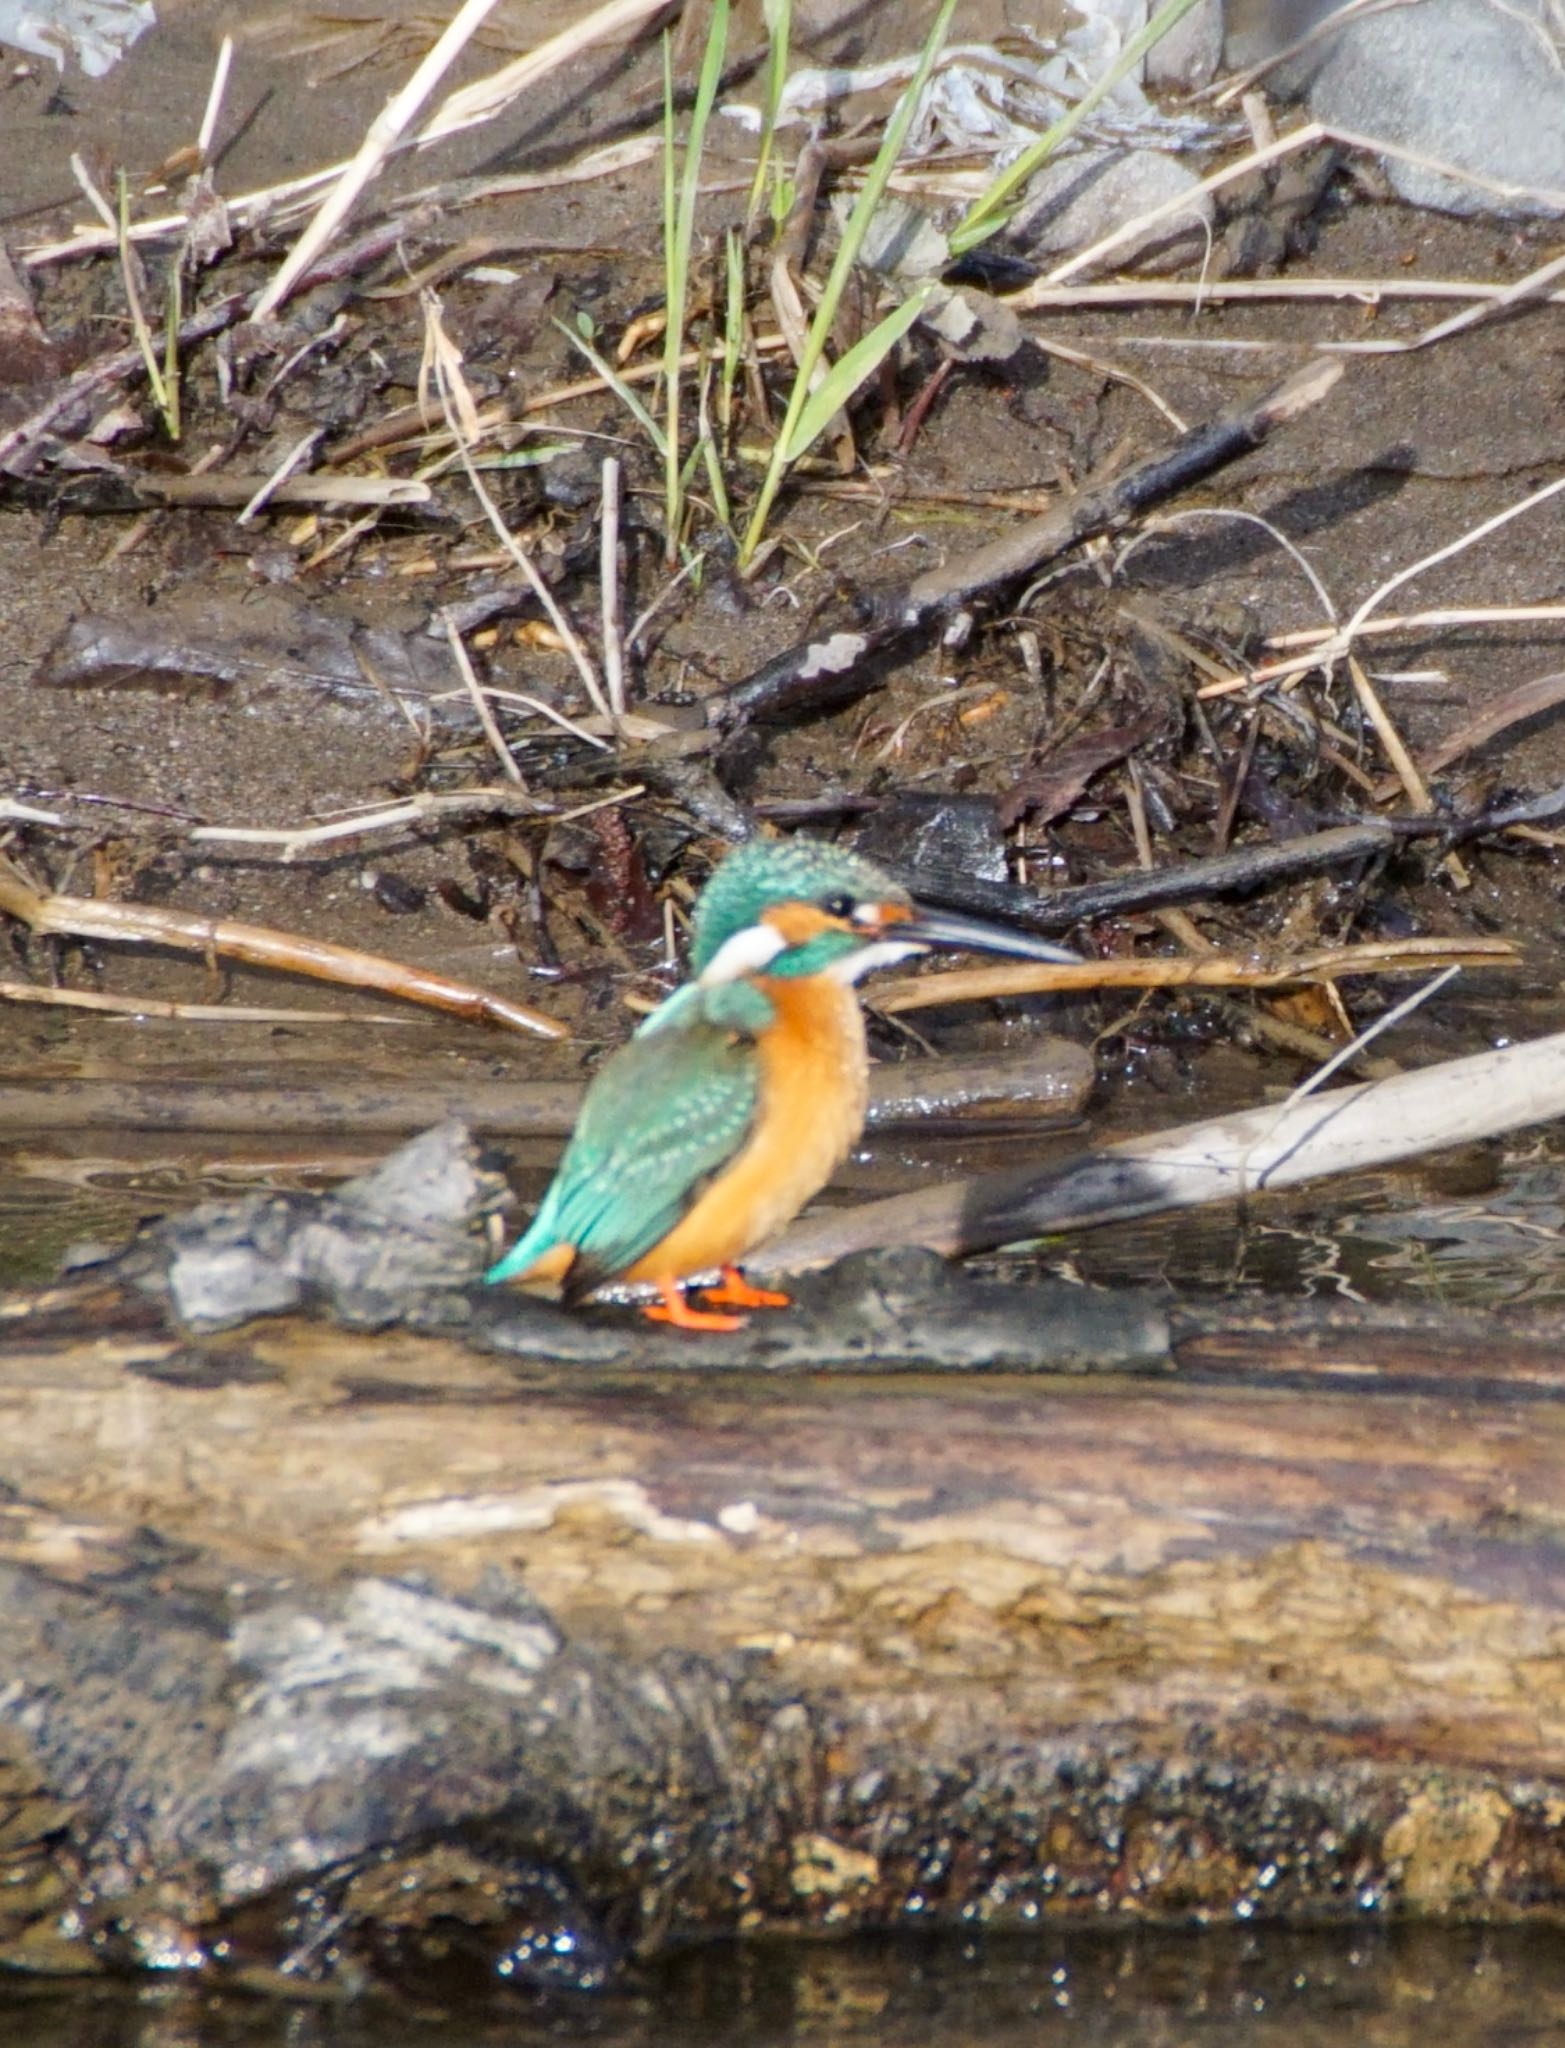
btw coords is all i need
(1048, 791)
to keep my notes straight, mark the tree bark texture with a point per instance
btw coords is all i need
(333, 1650)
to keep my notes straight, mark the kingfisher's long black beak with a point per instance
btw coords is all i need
(974, 934)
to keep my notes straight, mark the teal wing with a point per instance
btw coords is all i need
(664, 1115)
(732, 1006)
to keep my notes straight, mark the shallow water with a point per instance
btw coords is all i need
(1378, 1987)
(1482, 1227)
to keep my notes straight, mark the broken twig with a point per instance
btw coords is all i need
(81, 917)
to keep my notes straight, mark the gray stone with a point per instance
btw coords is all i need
(1080, 198)
(1187, 57)
(1476, 84)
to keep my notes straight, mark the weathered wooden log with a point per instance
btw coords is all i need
(1047, 1078)
(334, 1650)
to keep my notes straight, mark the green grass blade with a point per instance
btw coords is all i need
(875, 183)
(716, 482)
(679, 227)
(690, 465)
(987, 215)
(616, 383)
(853, 234)
(701, 114)
(778, 15)
(537, 456)
(172, 318)
(849, 372)
(733, 331)
(670, 181)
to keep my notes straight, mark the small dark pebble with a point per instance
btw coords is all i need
(394, 893)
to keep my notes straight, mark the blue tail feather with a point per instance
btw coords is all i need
(540, 1236)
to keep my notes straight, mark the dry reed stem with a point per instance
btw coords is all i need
(580, 729)
(1130, 231)
(1368, 292)
(432, 807)
(486, 97)
(152, 1009)
(1533, 286)
(1354, 1050)
(462, 423)
(13, 810)
(79, 917)
(198, 487)
(612, 609)
(1206, 970)
(883, 486)
(1340, 641)
(456, 806)
(481, 704)
(383, 132)
(214, 100)
(1449, 615)
(1115, 374)
(1402, 762)
(1304, 137)
(1490, 302)
(269, 486)
(250, 208)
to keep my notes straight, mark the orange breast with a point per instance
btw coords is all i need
(814, 1091)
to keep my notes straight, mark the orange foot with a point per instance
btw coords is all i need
(736, 1292)
(676, 1310)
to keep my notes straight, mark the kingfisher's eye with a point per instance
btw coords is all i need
(840, 905)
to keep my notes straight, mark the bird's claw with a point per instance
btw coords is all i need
(736, 1292)
(675, 1310)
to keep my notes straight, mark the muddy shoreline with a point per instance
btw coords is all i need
(351, 1648)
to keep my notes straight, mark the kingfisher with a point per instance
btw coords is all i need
(741, 1094)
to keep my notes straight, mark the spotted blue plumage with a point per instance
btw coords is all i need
(661, 1118)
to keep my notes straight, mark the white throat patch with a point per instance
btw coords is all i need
(747, 952)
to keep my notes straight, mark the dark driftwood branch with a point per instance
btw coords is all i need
(837, 662)
(1220, 874)
(1235, 873)
(1100, 508)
